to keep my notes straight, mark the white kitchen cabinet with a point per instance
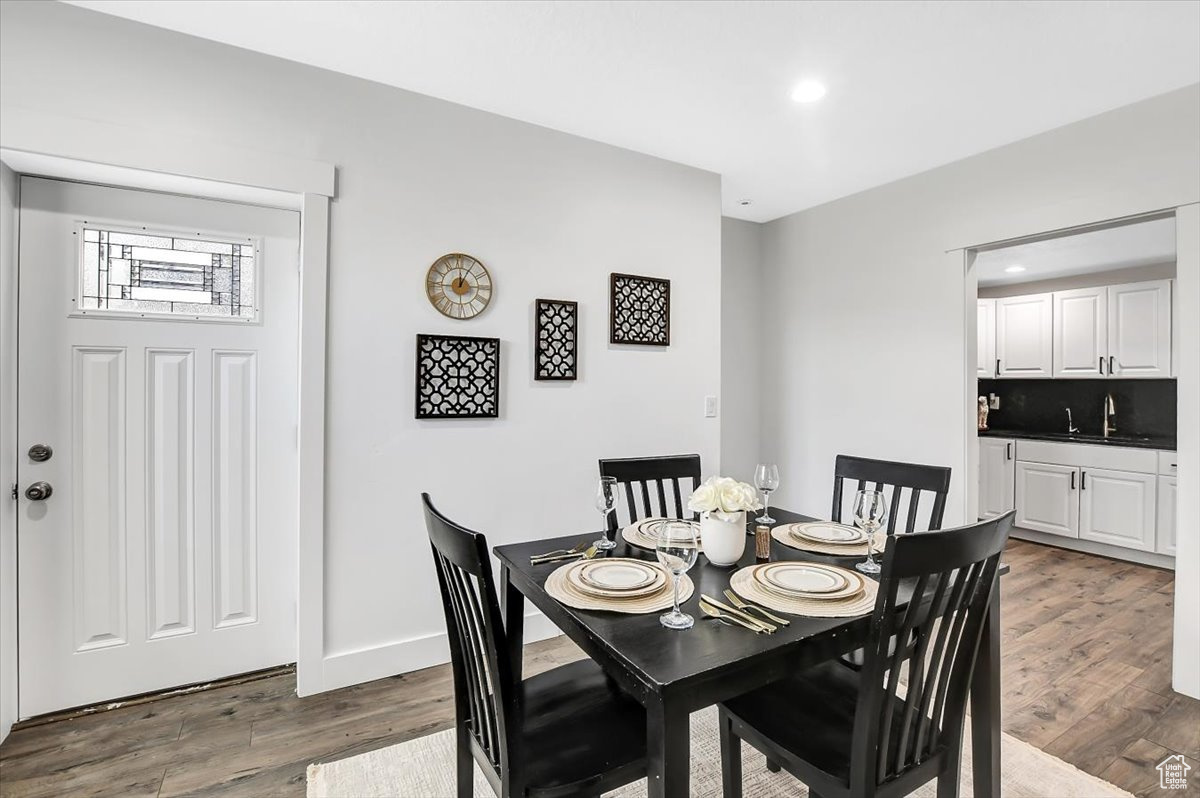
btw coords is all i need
(1047, 498)
(1023, 336)
(1080, 338)
(985, 359)
(1166, 516)
(997, 476)
(1117, 508)
(1139, 329)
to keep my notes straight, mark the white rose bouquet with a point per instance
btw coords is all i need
(723, 497)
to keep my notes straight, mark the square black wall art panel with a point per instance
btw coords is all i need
(458, 376)
(556, 339)
(639, 310)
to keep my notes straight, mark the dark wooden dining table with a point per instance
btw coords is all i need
(674, 673)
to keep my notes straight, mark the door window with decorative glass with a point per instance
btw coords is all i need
(145, 274)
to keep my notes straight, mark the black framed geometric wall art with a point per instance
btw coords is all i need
(555, 339)
(639, 310)
(458, 376)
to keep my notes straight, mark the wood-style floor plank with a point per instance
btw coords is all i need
(1085, 675)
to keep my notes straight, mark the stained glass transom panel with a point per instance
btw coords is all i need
(165, 274)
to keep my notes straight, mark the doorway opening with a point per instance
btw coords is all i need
(1077, 403)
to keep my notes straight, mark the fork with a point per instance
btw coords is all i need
(712, 612)
(736, 601)
(561, 553)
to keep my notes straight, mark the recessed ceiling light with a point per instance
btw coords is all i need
(808, 91)
(1015, 269)
(744, 203)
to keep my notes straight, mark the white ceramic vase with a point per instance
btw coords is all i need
(724, 541)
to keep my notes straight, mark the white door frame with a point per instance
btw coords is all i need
(82, 150)
(1186, 639)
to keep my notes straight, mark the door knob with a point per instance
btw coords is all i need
(39, 492)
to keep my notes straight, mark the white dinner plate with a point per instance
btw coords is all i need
(808, 580)
(829, 533)
(617, 574)
(616, 571)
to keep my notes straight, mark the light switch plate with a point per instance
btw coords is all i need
(993, 402)
(710, 407)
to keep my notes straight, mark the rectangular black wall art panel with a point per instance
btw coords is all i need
(556, 339)
(458, 376)
(639, 310)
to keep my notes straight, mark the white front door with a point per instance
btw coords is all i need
(158, 361)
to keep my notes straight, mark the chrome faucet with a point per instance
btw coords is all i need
(1071, 428)
(1110, 410)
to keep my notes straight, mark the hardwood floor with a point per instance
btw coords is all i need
(1086, 677)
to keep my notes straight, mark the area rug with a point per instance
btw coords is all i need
(424, 768)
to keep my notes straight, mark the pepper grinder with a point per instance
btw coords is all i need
(762, 543)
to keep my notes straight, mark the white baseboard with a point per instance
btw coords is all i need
(1092, 547)
(403, 656)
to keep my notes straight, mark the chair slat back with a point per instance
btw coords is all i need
(484, 690)
(894, 478)
(951, 574)
(641, 479)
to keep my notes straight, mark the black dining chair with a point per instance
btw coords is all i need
(652, 476)
(566, 732)
(893, 477)
(857, 733)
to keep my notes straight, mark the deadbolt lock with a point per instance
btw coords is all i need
(40, 453)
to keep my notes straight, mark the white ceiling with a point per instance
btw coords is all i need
(912, 85)
(1124, 247)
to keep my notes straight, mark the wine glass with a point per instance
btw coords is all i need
(678, 545)
(870, 510)
(766, 479)
(606, 503)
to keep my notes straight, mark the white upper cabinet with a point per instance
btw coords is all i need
(985, 359)
(1023, 335)
(1139, 329)
(1081, 332)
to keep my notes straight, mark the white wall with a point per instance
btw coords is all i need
(8, 451)
(551, 215)
(869, 314)
(742, 298)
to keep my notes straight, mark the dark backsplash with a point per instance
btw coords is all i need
(1144, 407)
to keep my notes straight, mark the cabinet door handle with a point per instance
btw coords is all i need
(997, 367)
(1102, 364)
(1008, 451)
(1083, 481)
(1110, 365)
(1072, 480)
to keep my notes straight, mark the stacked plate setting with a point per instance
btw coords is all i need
(812, 581)
(617, 578)
(827, 533)
(813, 589)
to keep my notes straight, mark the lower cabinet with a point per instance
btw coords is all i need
(1117, 508)
(1116, 496)
(996, 476)
(1047, 498)
(1166, 516)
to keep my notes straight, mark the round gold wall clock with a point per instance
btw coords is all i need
(458, 286)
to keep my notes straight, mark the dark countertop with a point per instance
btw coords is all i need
(1166, 444)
